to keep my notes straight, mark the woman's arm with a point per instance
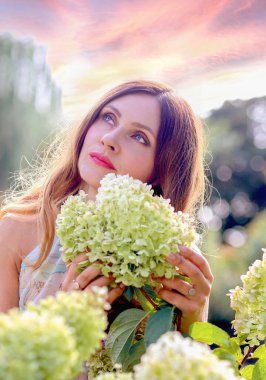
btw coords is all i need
(9, 272)
(18, 236)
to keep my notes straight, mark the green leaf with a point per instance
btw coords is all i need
(145, 304)
(154, 296)
(223, 354)
(162, 304)
(235, 349)
(151, 292)
(206, 332)
(259, 372)
(260, 352)
(158, 324)
(128, 293)
(121, 357)
(122, 332)
(247, 372)
(134, 355)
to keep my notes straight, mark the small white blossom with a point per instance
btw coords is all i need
(249, 303)
(173, 357)
(114, 376)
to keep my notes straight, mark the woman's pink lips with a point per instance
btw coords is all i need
(101, 160)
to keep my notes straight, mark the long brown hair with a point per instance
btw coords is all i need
(179, 169)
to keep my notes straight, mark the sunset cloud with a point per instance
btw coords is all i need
(92, 44)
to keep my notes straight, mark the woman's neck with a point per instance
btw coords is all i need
(90, 191)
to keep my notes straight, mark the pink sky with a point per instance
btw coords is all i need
(208, 50)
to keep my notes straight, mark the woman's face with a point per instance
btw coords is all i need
(122, 140)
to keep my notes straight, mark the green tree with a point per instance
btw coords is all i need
(30, 103)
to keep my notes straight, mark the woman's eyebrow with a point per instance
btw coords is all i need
(136, 124)
(142, 126)
(114, 109)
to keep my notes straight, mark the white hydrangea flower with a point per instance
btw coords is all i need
(127, 227)
(173, 357)
(36, 347)
(249, 303)
(83, 312)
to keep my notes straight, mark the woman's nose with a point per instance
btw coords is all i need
(110, 141)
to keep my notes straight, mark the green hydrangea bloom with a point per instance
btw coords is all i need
(174, 357)
(249, 303)
(128, 229)
(100, 362)
(83, 312)
(114, 376)
(38, 347)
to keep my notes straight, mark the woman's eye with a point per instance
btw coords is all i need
(108, 118)
(139, 137)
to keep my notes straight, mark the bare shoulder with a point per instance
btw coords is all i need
(18, 236)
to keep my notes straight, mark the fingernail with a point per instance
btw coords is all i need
(173, 257)
(183, 249)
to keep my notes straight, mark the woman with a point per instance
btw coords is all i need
(138, 128)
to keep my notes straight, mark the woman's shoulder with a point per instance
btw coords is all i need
(18, 234)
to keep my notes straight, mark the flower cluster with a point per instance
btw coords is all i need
(174, 357)
(83, 313)
(128, 230)
(36, 347)
(249, 303)
(100, 362)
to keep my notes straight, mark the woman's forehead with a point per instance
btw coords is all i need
(140, 107)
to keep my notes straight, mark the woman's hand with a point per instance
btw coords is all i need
(191, 299)
(87, 278)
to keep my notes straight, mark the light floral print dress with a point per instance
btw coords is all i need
(43, 281)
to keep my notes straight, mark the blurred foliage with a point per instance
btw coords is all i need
(30, 103)
(237, 142)
(229, 263)
(235, 217)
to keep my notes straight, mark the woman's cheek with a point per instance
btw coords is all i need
(141, 167)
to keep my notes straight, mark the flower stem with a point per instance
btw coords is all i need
(247, 355)
(149, 299)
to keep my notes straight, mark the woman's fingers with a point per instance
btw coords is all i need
(84, 278)
(175, 284)
(116, 292)
(71, 267)
(88, 278)
(190, 298)
(100, 281)
(199, 260)
(193, 271)
(187, 306)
